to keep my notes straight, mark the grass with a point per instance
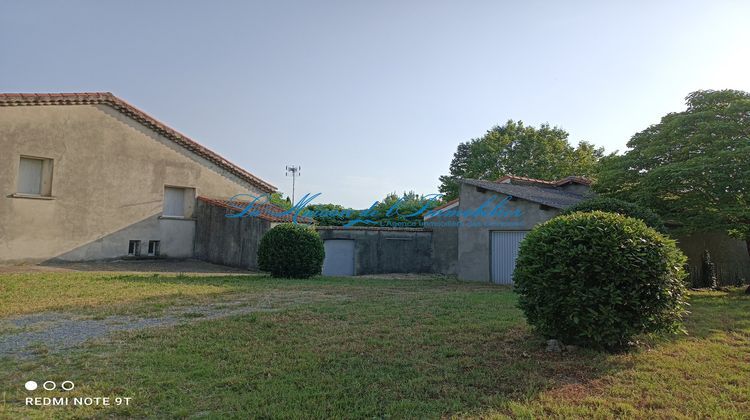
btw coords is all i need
(31, 293)
(368, 348)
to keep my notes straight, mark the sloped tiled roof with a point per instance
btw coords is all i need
(454, 201)
(508, 179)
(266, 211)
(439, 209)
(512, 178)
(576, 179)
(549, 196)
(106, 98)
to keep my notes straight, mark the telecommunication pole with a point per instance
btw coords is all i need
(295, 171)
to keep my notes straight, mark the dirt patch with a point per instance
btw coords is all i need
(28, 335)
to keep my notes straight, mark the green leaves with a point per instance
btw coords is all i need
(599, 279)
(693, 167)
(291, 250)
(515, 149)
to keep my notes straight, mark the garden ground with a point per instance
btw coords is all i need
(249, 346)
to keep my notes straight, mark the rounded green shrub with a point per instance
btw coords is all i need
(291, 250)
(599, 279)
(614, 205)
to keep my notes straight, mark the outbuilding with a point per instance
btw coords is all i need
(477, 236)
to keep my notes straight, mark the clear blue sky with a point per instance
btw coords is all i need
(374, 96)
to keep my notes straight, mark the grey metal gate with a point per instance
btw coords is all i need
(339, 260)
(503, 254)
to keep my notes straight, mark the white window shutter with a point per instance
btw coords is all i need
(30, 176)
(174, 202)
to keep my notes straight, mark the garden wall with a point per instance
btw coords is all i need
(225, 240)
(385, 250)
(729, 255)
(234, 242)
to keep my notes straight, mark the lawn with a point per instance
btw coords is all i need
(358, 348)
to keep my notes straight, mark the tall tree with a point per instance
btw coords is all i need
(279, 200)
(693, 167)
(516, 149)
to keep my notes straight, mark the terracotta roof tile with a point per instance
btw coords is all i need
(455, 200)
(267, 211)
(106, 98)
(511, 178)
(576, 179)
(566, 180)
(525, 179)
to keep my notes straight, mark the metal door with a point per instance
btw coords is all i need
(503, 253)
(339, 260)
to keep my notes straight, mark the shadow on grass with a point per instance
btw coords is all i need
(154, 265)
(259, 281)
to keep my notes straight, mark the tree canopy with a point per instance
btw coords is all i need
(279, 200)
(406, 210)
(516, 149)
(693, 167)
(613, 205)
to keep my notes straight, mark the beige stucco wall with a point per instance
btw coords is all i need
(108, 184)
(474, 241)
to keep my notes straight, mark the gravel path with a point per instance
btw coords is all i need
(56, 331)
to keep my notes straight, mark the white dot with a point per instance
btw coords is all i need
(31, 385)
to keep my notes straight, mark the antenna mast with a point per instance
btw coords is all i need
(295, 171)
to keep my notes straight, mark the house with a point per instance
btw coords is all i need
(477, 235)
(87, 176)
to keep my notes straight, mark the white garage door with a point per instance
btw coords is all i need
(339, 260)
(503, 252)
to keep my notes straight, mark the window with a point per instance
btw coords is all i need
(134, 248)
(153, 248)
(35, 176)
(178, 202)
(174, 202)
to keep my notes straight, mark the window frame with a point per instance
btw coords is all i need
(45, 179)
(135, 244)
(154, 248)
(188, 202)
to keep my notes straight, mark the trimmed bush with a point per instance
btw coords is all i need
(292, 251)
(599, 279)
(613, 205)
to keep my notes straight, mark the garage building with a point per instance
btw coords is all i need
(484, 247)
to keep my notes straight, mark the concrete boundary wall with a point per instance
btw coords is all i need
(234, 242)
(228, 241)
(729, 255)
(385, 250)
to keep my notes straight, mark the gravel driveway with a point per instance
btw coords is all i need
(27, 335)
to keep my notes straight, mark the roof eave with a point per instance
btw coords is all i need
(109, 99)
